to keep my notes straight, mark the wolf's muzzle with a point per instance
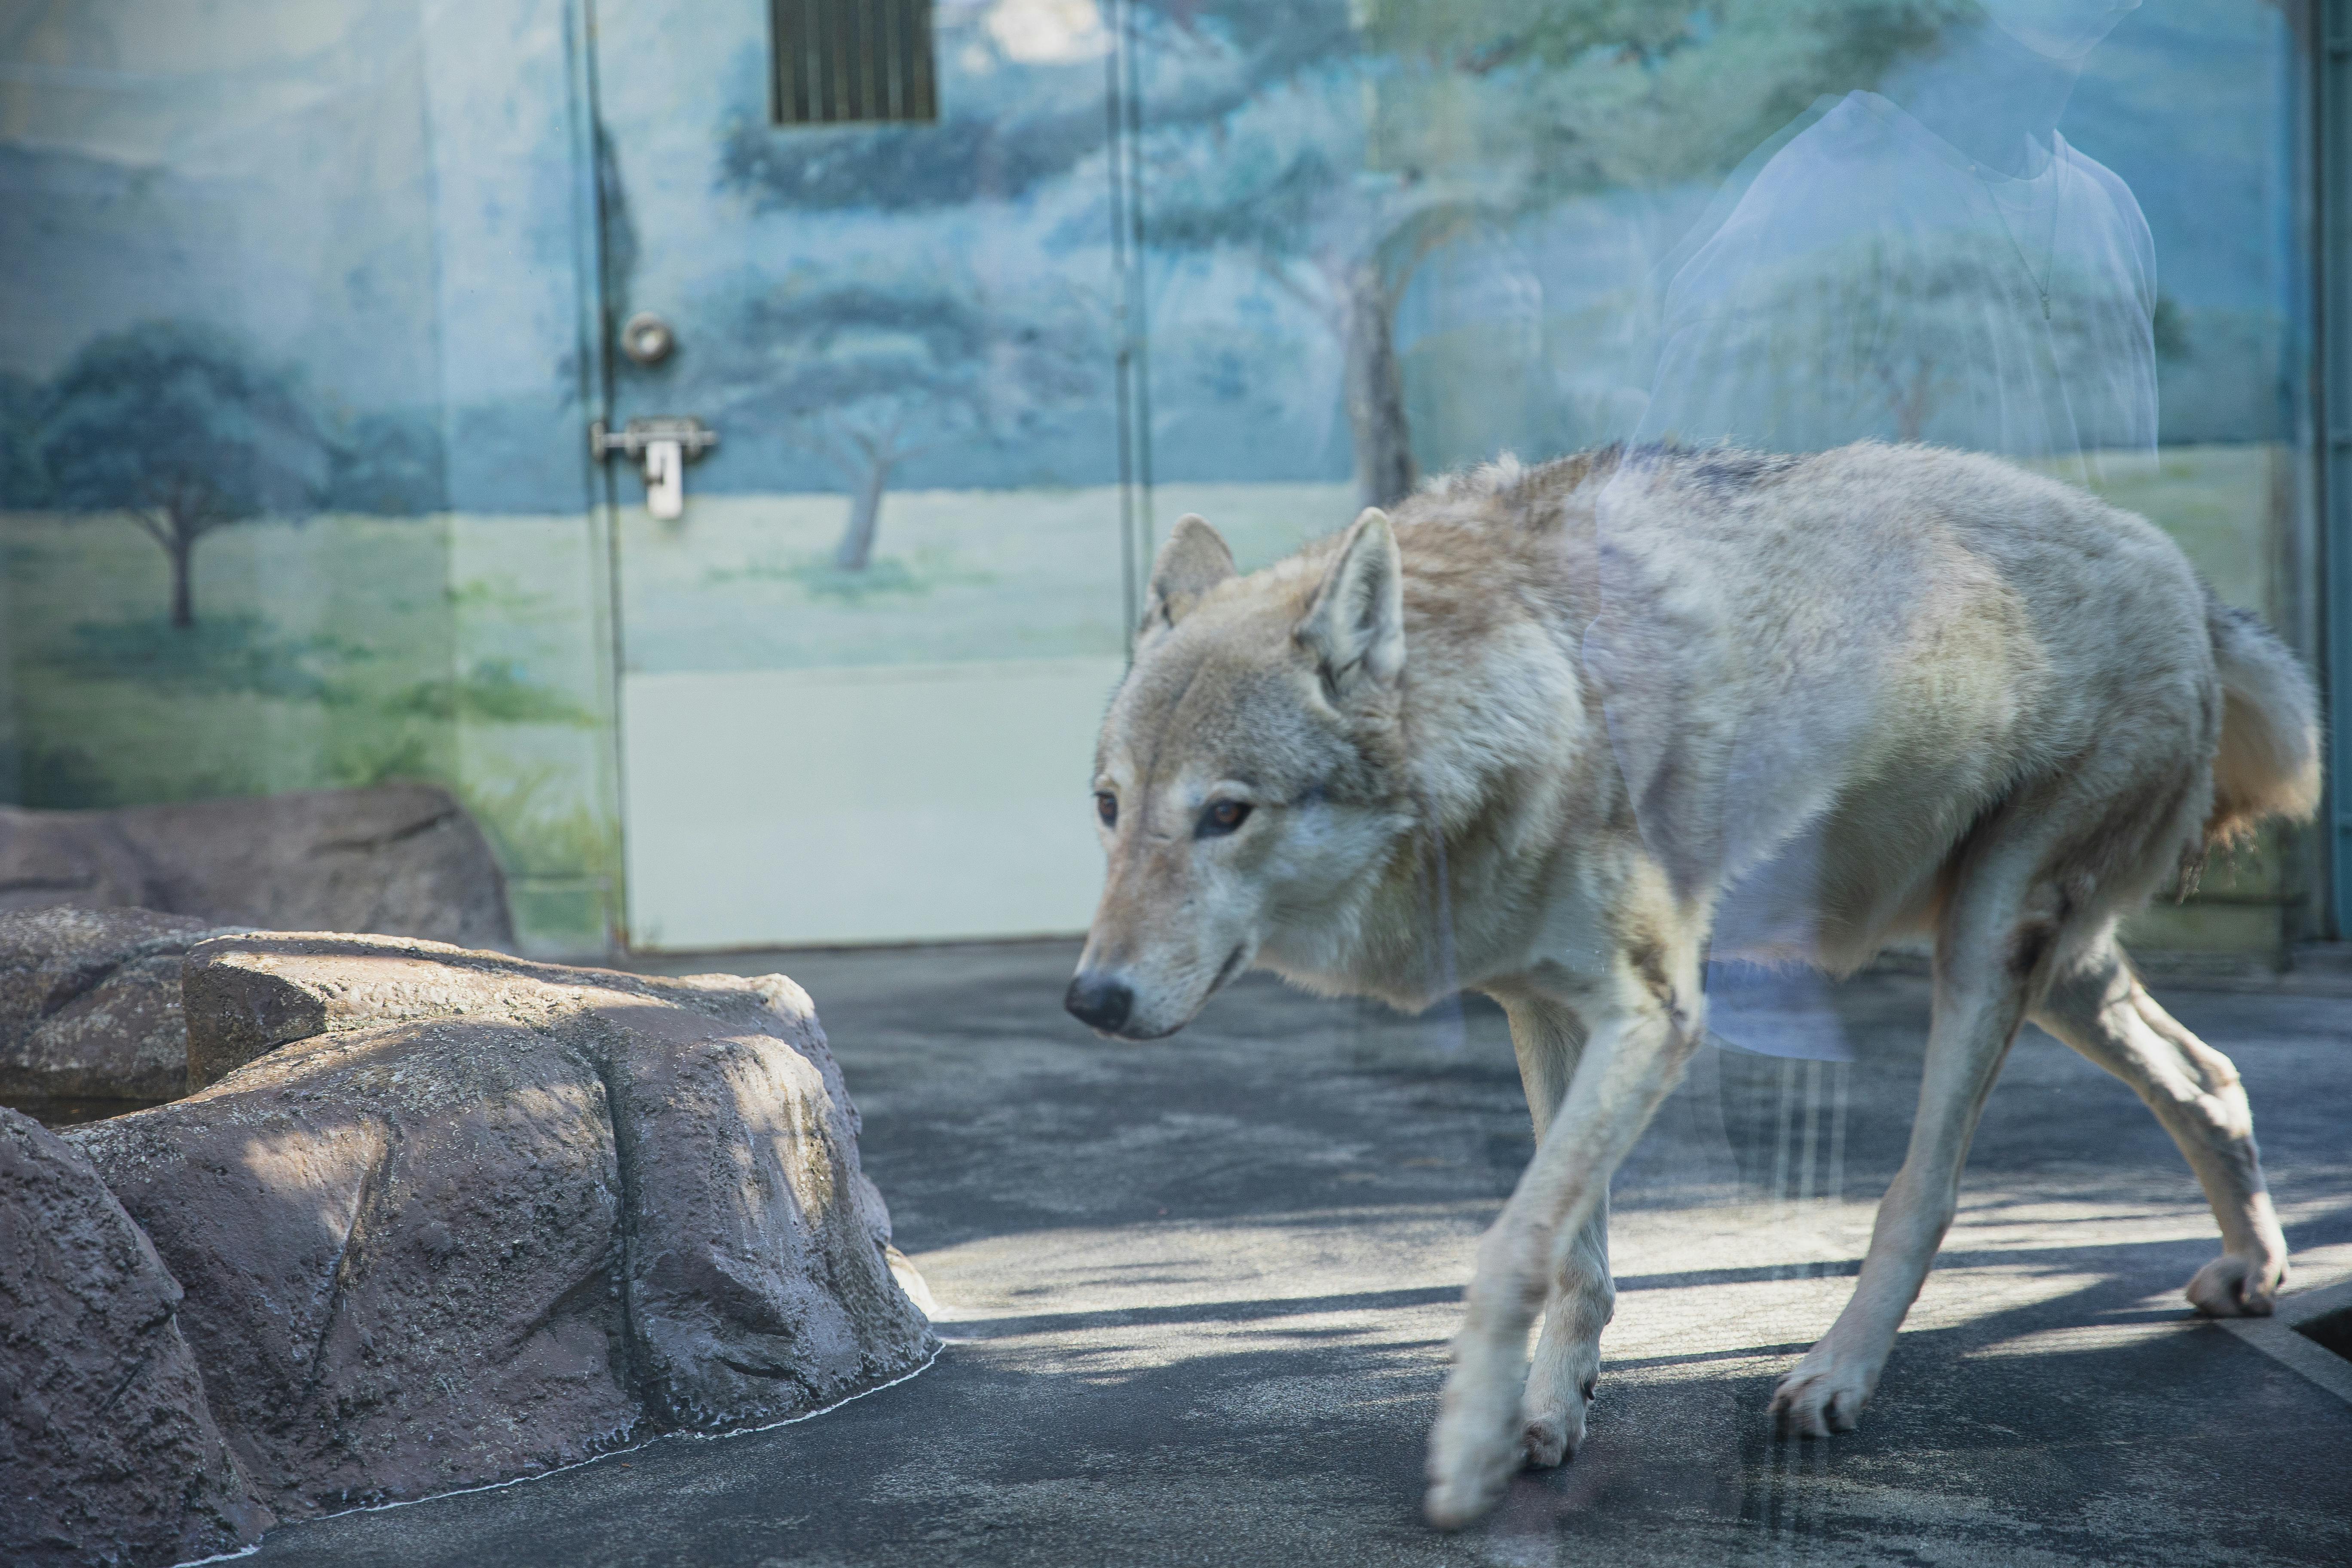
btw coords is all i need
(1099, 1002)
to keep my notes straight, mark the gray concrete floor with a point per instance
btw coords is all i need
(1198, 1295)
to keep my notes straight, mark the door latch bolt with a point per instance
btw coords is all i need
(661, 447)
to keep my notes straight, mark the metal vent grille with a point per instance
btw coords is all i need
(840, 61)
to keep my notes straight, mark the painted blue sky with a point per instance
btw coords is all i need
(390, 194)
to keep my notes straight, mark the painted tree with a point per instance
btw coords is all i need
(1010, 125)
(1015, 127)
(1291, 183)
(1450, 117)
(23, 485)
(872, 374)
(389, 463)
(1338, 145)
(182, 427)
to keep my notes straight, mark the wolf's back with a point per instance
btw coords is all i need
(2268, 760)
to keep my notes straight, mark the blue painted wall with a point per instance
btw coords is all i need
(397, 217)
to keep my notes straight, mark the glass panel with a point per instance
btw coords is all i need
(1389, 240)
(295, 495)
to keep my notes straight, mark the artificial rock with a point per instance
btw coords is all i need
(108, 1452)
(463, 1217)
(90, 1004)
(404, 859)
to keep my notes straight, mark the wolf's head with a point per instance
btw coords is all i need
(1248, 785)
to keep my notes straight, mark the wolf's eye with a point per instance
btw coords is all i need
(1223, 817)
(1107, 807)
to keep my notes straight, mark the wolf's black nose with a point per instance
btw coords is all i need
(1099, 1001)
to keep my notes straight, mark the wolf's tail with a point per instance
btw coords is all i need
(2268, 762)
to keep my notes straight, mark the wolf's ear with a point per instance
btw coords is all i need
(1355, 626)
(1193, 561)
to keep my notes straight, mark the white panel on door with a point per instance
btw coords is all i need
(894, 803)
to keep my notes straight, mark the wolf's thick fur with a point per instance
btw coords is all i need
(1556, 733)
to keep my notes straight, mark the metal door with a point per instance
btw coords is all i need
(862, 665)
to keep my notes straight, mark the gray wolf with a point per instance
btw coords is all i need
(1556, 733)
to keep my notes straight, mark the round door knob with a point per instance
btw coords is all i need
(648, 339)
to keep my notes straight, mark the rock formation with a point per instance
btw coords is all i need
(90, 1004)
(403, 858)
(457, 1218)
(107, 1450)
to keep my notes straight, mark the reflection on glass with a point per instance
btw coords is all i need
(1934, 261)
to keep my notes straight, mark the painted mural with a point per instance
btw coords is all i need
(310, 304)
(293, 494)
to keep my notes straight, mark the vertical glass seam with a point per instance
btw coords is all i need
(2331, 43)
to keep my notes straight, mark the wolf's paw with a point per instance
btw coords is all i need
(1552, 1437)
(1456, 1500)
(1545, 1442)
(1824, 1394)
(1472, 1454)
(2234, 1286)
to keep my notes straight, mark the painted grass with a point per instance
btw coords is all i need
(2225, 506)
(475, 652)
(339, 651)
(746, 581)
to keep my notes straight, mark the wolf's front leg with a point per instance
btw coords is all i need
(1549, 1040)
(1643, 1032)
(1567, 1365)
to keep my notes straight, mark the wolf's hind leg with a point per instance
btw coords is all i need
(1992, 953)
(1548, 1041)
(2099, 1007)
